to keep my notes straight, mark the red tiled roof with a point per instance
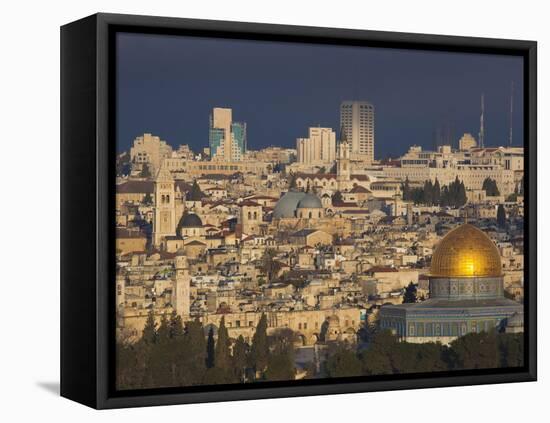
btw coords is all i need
(135, 187)
(382, 269)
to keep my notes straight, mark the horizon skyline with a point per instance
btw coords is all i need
(426, 100)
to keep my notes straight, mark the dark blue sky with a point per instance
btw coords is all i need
(167, 85)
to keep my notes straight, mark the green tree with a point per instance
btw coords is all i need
(222, 354)
(406, 189)
(176, 326)
(292, 182)
(337, 197)
(501, 216)
(490, 187)
(259, 350)
(210, 349)
(445, 197)
(376, 359)
(147, 199)
(428, 193)
(342, 362)
(145, 171)
(280, 367)
(436, 195)
(409, 296)
(192, 355)
(123, 164)
(511, 349)
(475, 351)
(149, 335)
(240, 358)
(195, 194)
(461, 195)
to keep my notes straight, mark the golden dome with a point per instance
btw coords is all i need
(465, 252)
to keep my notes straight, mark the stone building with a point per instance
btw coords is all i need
(151, 150)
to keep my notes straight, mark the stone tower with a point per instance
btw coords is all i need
(164, 222)
(182, 288)
(343, 171)
(250, 217)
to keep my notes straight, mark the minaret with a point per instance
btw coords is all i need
(481, 123)
(182, 288)
(164, 222)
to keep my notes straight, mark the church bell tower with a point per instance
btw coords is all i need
(164, 222)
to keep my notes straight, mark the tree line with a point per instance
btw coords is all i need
(452, 195)
(174, 354)
(432, 194)
(387, 355)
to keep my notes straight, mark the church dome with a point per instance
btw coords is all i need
(310, 201)
(191, 221)
(286, 206)
(465, 252)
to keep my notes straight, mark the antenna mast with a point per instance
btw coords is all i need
(511, 111)
(481, 128)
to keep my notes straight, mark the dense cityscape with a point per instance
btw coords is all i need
(237, 265)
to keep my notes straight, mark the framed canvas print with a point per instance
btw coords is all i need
(255, 211)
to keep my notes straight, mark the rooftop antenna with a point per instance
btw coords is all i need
(511, 111)
(481, 128)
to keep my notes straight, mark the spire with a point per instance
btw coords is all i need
(343, 136)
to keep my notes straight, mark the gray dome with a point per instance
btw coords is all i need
(286, 206)
(191, 221)
(310, 201)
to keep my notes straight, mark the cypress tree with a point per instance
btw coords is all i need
(210, 349)
(222, 355)
(501, 216)
(150, 330)
(444, 196)
(259, 351)
(292, 183)
(145, 172)
(195, 194)
(409, 295)
(461, 198)
(428, 198)
(436, 193)
(240, 353)
(406, 190)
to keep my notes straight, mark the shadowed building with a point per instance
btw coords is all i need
(466, 293)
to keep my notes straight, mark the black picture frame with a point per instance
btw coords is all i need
(87, 207)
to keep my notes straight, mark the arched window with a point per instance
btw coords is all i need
(255, 215)
(310, 215)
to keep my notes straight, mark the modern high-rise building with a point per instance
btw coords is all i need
(318, 148)
(357, 120)
(227, 139)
